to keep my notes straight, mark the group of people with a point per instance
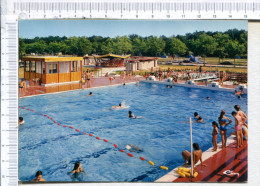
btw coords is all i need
(87, 77)
(74, 173)
(241, 132)
(241, 128)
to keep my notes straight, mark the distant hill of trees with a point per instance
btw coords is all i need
(227, 44)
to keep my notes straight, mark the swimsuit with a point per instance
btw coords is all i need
(215, 136)
(223, 128)
(223, 120)
(238, 127)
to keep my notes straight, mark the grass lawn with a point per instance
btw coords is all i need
(209, 60)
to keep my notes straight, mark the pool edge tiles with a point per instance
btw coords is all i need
(192, 86)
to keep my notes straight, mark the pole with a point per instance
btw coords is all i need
(191, 158)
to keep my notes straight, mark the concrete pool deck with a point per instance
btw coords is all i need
(98, 82)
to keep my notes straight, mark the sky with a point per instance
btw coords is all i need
(113, 28)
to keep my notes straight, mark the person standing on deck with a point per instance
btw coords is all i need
(238, 128)
(160, 74)
(244, 119)
(223, 130)
(22, 87)
(152, 71)
(88, 79)
(200, 70)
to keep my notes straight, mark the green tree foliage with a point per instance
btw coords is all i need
(205, 45)
(234, 49)
(155, 46)
(230, 44)
(174, 47)
(122, 45)
(222, 40)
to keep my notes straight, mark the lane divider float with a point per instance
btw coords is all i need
(98, 138)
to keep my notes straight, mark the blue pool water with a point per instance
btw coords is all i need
(163, 133)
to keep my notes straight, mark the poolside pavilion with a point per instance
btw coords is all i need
(140, 63)
(110, 60)
(52, 69)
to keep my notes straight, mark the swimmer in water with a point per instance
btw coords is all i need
(90, 94)
(119, 106)
(76, 176)
(200, 119)
(130, 115)
(133, 148)
(38, 176)
(21, 121)
(124, 84)
(171, 86)
(208, 97)
(167, 86)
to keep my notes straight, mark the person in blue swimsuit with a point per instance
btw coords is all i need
(223, 122)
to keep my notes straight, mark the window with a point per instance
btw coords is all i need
(52, 68)
(67, 67)
(38, 67)
(33, 66)
(74, 66)
(78, 66)
(43, 67)
(62, 67)
(27, 68)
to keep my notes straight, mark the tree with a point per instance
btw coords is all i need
(122, 45)
(84, 46)
(205, 45)
(155, 45)
(22, 48)
(175, 47)
(222, 40)
(107, 46)
(39, 47)
(54, 47)
(139, 47)
(234, 48)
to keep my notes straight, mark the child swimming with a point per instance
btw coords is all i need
(76, 172)
(214, 135)
(131, 115)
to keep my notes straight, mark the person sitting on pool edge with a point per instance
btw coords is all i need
(197, 155)
(90, 94)
(38, 176)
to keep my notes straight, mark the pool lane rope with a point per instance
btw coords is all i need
(98, 138)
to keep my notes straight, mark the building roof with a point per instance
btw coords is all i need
(112, 56)
(51, 58)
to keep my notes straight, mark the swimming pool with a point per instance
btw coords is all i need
(163, 133)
